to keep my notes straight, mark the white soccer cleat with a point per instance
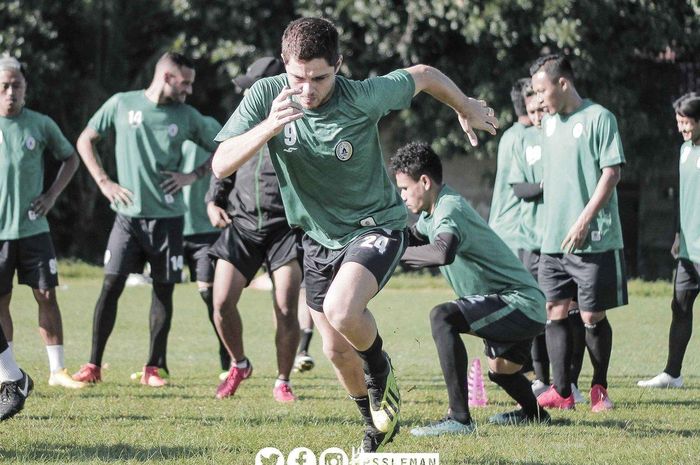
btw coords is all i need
(63, 379)
(662, 380)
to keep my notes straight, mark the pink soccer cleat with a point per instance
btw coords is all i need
(600, 401)
(88, 373)
(151, 377)
(283, 393)
(236, 375)
(551, 399)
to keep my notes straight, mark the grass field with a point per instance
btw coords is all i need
(120, 421)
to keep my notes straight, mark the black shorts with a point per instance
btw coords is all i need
(687, 276)
(531, 260)
(378, 250)
(34, 259)
(135, 241)
(248, 251)
(197, 258)
(508, 336)
(596, 281)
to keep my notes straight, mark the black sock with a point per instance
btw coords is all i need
(363, 407)
(540, 359)
(161, 316)
(680, 331)
(105, 315)
(599, 343)
(207, 295)
(3, 341)
(518, 387)
(305, 340)
(559, 350)
(446, 324)
(578, 344)
(374, 361)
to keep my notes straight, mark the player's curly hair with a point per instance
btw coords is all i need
(415, 159)
(555, 66)
(308, 38)
(688, 105)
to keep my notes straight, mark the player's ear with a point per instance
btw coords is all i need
(425, 181)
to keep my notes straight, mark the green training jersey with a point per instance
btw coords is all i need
(689, 168)
(483, 264)
(576, 148)
(527, 167)
(329, 163)
(23, 140)
(504, 216)
(196, 218)
(149, 140)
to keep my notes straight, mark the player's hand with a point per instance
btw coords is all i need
(476, 114)
(115, 193)
(576, 237)
(176, 181)
(217, 216)
(284, 110)
(43, 203)
(676, 247)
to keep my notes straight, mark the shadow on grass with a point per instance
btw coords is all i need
(64, 453)
(636, 429)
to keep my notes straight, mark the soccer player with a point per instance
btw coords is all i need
(581, 254)
(497, 299)
(686, 246)
(15, 384)
(303, 360)
(150, 127)
(25, 242)
(256, 233)
(321, 130)
(504, 216)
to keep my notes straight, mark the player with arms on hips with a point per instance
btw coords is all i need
(582, 250)
(498, 300)
(686, 246)
(151, 126)
(321, 130)
(25, 242)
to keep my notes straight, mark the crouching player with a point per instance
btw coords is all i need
(498, 299)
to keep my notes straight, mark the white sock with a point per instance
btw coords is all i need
(11, 346)
(279, 382)
(9, 371)
(243, 364)
(56, 360)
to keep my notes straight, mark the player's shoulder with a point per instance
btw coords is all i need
(268, 88)
(450, 201)
(595, 111)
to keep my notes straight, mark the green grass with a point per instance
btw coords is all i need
(119, 421)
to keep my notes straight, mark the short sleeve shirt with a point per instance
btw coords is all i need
(329, 163)
(483, 264)
(149, 140)
(24, 139)
(504, 213)
(689, 167)
(196, 218)
(527, 168)
(576, 148)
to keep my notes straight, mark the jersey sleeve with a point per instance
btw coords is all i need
(205, 129)
(608, 141)
(57, 143)
(104, 118)
(252, 110)
(517, 167)
(382, 94)
(445, 221)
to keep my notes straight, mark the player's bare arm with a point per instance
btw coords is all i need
(576, 237)
(234, 152)
(472, 113)
(88, 153)
(45, 202)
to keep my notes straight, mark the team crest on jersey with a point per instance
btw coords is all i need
(172, 130)
(550, 126)
(533, 154)
(684, 154)
(30, 143)
(577, 131)
(343, 150)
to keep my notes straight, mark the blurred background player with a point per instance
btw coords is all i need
(686, 246)
(151, 126)
(25, 241)
(504, 216)
(582, 250)
(248, 205)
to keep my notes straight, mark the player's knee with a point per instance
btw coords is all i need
(682, 304)
(206, 294)
(439, 320)
(113, 283)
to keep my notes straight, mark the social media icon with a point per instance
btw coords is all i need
(333, 456)
(269, 456)
(301, 456)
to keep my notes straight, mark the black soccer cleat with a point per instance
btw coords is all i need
(384, 399)
(375, 439)
(13, 394)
